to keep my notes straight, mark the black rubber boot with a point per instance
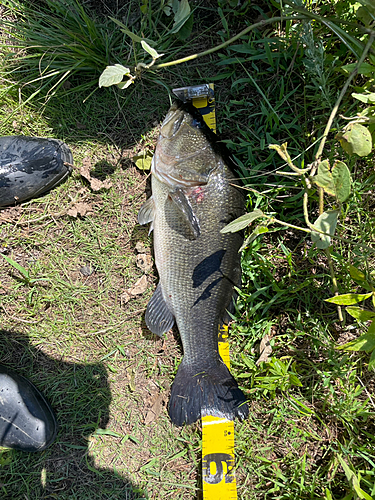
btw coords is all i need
(30, 166)
(27, 421)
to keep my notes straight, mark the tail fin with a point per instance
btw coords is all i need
(211, 392)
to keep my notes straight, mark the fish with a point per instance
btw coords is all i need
(194, 195)
(31, 166)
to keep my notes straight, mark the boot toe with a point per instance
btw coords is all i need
(27, 421)
(31, 166)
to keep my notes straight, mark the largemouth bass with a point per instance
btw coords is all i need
(193, 197)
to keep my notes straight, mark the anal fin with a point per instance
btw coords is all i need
(158, 317)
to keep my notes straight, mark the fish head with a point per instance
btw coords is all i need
(184, 156)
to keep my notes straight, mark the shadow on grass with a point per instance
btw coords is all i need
(80, 396)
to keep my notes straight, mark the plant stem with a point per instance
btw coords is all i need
(273, 219)
(334, 282)
(260, 24)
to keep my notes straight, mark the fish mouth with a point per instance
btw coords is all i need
(172, 122)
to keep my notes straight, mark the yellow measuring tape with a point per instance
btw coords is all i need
(218, 462)
(219, 481)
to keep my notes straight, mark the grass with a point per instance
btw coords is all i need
(310, 434)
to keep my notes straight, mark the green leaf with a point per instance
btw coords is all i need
(185, 31)
(17, 266)
(167, 9)
(242, 221)
(356, 274)
(143, 160)
(355, 139)
(112, 75)
(150, 50)
(348, 299)
(353, 480)
(365, 343)
(364, 69)
(334, 180)
(360, 314)
(106, 432)
(366, 98)
(327, 223)
(257, 231)
(181, 15)
(127, 31)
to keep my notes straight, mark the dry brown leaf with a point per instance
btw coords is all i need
(124, 298)
(95, 184)
(265, 350)
(139, 287)
(144, 262)
(80, 208)
(154, 412)
(85, 169)
(140, 247)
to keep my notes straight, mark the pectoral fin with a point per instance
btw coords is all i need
(158, 317)
(146, 212)
(183, 204)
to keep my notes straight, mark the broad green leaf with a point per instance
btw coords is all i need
(371, 328)
(366, 98)
(356, 274)
(334, 180)
(348, 299)
(183, 10)
(150, 50)
(364, 69)
(371, 363)
(185, 31)
(143, 160)
(144, 6)
(365, 343)
(112, 75)
(355, 139)
(181, 15)
(242, 221)
(361, 314)
(327, 223)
